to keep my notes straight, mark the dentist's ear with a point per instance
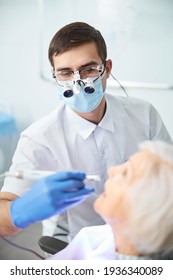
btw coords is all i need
(108, 67)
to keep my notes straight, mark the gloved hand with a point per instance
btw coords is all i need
(49, 196)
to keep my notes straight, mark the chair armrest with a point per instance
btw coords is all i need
(51, 244)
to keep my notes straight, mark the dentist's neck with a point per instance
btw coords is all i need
(96, 115)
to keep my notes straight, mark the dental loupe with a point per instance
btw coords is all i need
(68, 91)
(75, 88)
(89, 86)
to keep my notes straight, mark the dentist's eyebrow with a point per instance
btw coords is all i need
(92, 62)
(63, 68)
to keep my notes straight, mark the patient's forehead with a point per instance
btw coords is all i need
(136, 163)
(141, 159)
(144, 155)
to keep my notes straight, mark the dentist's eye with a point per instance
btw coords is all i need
(66, 73)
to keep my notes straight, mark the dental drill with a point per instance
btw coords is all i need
(36, 175)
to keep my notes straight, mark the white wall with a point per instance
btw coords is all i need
(21, 85)
(141, 48)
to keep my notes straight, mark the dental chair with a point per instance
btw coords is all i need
(51, 245)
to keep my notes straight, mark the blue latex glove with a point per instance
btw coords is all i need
(49, 196)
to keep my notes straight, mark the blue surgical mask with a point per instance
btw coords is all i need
(83, 102)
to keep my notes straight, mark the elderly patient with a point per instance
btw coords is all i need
(137, 206)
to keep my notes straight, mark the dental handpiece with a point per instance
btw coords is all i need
(36, 175)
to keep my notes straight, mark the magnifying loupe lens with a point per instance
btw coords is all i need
(89, 89)
(68, 93)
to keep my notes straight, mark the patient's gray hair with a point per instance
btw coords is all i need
(152, 202)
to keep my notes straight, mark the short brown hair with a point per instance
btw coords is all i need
(74, 35)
